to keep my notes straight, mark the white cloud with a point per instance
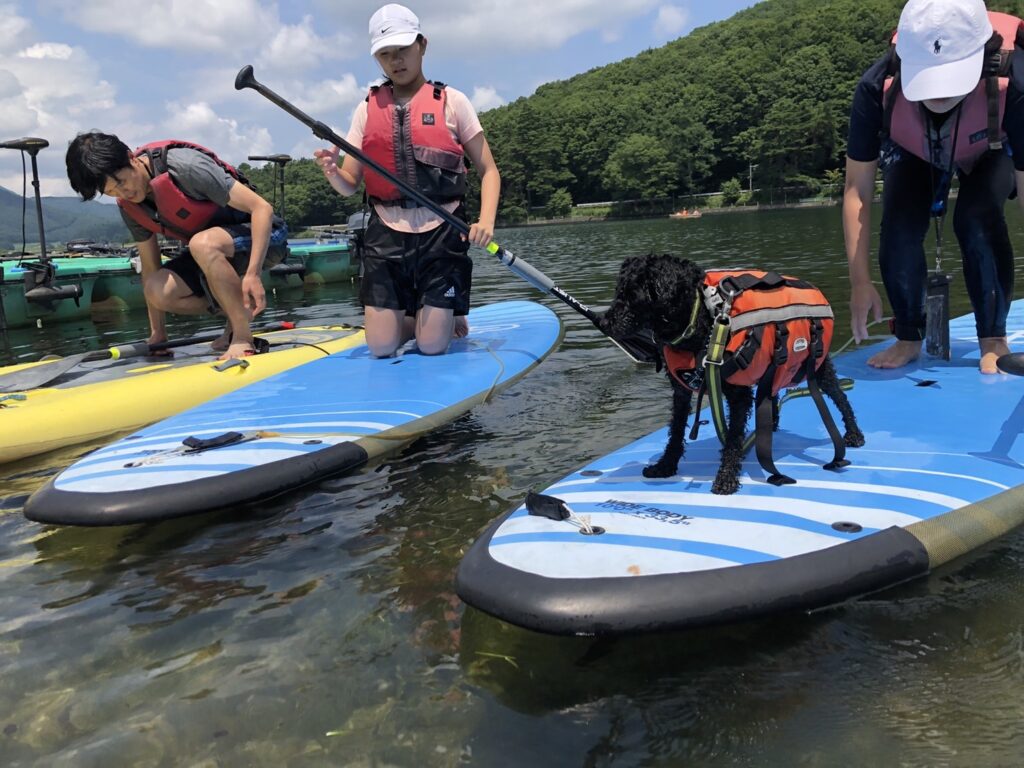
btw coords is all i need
(484, 98)
(298, 48)
(463, 29)
(12, 27)
(525, 24)
(57, 51)
(331, 101)
(48, 89)
(49, 186)
(671, 21)
(205, 25)
(200, 123)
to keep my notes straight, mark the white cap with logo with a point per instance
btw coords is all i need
(941, 45)
(393, 25)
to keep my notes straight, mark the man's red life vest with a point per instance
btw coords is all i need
(172, 213)
(414, 143)
(977, 128)
(773, 320)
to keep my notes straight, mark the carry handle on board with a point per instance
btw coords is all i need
(639, 347)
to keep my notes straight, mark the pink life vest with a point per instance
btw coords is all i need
(413, 143)
(978, 126)
(173, 213)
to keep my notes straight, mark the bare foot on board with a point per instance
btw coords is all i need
(991, 350)
(461, 327)
(896, 356)
(221, 344)
(238, 349)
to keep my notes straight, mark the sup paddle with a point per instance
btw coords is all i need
(640, 348)
(1012, 363)
(39, 375)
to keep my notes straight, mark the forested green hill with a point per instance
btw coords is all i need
(770, 86)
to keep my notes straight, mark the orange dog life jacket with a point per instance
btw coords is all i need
(773, 320)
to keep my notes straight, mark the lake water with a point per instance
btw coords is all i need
(322, 628)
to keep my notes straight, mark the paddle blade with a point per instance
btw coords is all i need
(37, 376)
(640, 346)
(1012, 363)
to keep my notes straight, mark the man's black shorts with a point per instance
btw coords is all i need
(408, 271)
(185, 267)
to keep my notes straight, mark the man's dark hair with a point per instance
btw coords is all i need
(92, 158)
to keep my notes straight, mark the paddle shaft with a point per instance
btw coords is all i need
(525, 270)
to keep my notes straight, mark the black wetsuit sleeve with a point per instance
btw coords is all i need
(1013, 117)
(864, 143)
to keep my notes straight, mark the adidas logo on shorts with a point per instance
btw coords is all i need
(450, 293)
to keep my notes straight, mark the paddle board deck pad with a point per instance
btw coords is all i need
(300, 426)
(100, 398)
(942, 473)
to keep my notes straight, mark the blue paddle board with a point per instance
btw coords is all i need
(297, 427)
(942, 473)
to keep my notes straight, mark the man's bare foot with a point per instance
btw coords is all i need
(896, 356)
(238, 349)
(991, 350)
(221, 344)
(461, 327)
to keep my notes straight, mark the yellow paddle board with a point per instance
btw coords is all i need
(99, 399)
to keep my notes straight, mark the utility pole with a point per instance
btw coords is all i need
(750, 182)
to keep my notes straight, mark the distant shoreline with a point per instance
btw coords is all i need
(648, 217)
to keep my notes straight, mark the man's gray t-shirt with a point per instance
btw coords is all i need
(198, 176)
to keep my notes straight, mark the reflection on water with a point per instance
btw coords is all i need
(322, 628)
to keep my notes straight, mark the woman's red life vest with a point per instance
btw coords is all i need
(414, 143)
(979, 125)
(172, 213)
(773, 320)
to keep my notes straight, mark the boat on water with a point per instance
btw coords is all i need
(686, 214)
(328, 259)
(331, 256)
(67, 287)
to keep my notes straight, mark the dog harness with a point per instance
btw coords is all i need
(415, 144)
(173, 213)
(977, 125)
(769, 331)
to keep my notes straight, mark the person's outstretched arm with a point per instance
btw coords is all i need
(479, 152)
(857, 198)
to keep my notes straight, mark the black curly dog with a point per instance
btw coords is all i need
(656, 293)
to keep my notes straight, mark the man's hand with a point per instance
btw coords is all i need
(254, 297)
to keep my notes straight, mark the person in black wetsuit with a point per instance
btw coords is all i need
(921, 114)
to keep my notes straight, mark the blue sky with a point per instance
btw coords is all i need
(152, 69)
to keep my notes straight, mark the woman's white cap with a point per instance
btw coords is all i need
(393, 25)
